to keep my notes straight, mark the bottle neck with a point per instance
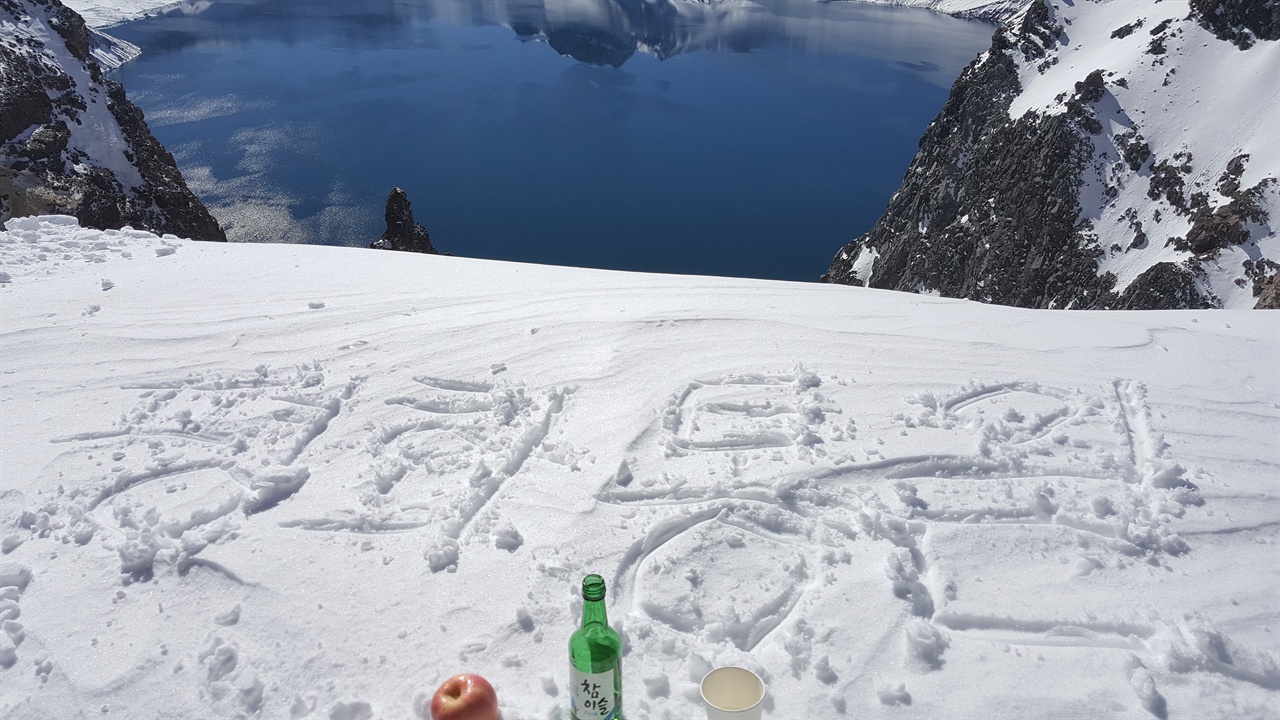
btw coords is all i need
(593, 612)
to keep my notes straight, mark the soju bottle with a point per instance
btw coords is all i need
(595, 659)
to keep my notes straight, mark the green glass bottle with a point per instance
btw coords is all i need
(595, 659)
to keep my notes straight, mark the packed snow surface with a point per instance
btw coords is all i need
(313, 482)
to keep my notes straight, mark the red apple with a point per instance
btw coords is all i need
(465, 697)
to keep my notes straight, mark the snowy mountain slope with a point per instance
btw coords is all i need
(105, 13)
(311, 482)
(70, 140)
(997, 10)
(1104, 153)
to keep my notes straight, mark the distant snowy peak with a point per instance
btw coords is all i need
(998, 10)
(70, 141)
(105, 13)
(1103, 153)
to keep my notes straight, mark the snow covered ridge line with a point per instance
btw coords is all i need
(105, 13)
(71, 142)
(993, 10)
(111, 52)
(1102, 154)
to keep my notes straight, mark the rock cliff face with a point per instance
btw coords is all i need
(1075, 166)
(71, 142)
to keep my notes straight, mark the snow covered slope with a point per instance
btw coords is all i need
(1103, 153)
(105, 13)
(1205, 113)
(312, 482)
(998, 10)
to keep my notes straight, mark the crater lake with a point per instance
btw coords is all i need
(739, 138)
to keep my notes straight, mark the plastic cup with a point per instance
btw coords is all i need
(732, 693)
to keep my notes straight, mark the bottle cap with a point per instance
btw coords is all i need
(593, 587)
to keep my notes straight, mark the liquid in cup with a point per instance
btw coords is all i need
(732, 693)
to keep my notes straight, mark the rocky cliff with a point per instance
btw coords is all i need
(71, 142)
(1102, 154)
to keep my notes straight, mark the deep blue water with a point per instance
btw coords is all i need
(738, 138)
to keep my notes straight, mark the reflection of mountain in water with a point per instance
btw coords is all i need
(608, 32)
(592, 46)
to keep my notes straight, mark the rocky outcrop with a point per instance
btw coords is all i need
(1269, 296)
(72, 143)
(402, 232)
(1038, 185)
(1242, 22)
(987, 209)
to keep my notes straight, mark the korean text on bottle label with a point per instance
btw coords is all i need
(593, 695)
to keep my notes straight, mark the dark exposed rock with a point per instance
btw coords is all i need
(1226, 226)
(1266, 283)
(71, 27)
(402, 232)
(1164, 286)
(45, 170)
(1091, 89)
(21, 105)
(1229, 182)
(1166, 181)
(1242, 22)
(1016, 210)
(1125, 31)
(1264, 276)
(987, 210)
(1134, 149)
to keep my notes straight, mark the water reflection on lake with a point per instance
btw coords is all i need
(730, 138)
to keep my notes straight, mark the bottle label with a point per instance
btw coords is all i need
(593, 697)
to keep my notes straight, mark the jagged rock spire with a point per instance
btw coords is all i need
(402, 232)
